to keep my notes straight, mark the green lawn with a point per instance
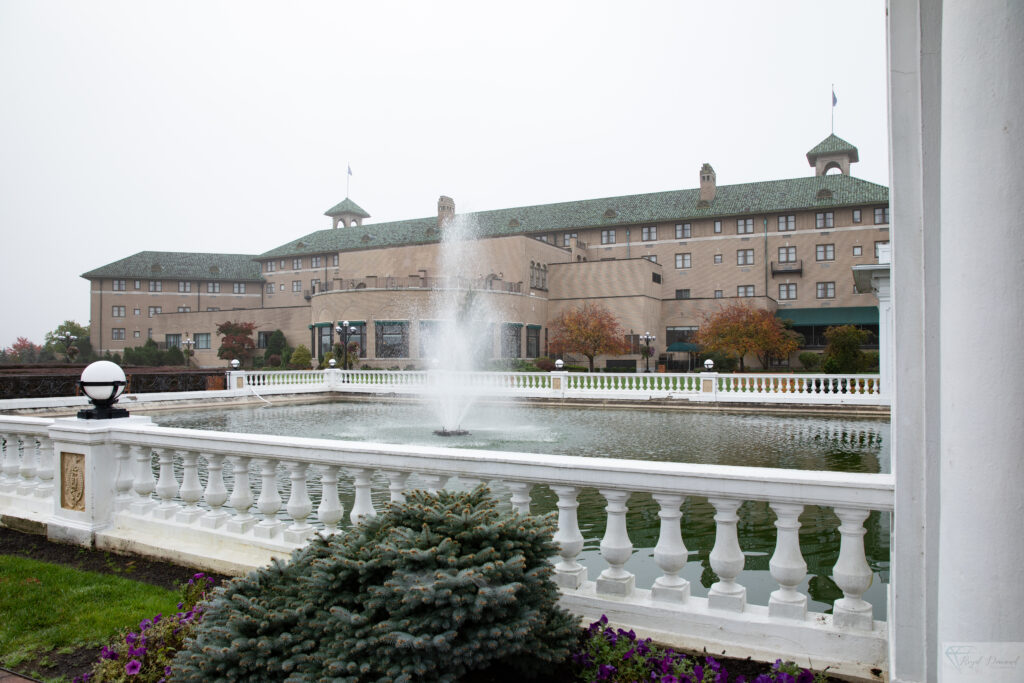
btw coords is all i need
(49, 609)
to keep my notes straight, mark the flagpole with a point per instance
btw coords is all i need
(348, 176)
(833, 108)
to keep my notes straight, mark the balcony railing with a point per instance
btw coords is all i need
(787, 267)
(414, 282)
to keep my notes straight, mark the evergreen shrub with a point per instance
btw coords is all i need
(429, 590)
(810, 360)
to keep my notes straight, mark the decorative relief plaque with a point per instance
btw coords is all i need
(72, 481)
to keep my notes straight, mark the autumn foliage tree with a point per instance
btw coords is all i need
(236, 341)
(738, 330)
(589, 331)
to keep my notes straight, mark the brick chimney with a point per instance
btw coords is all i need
(445, 211)
(707, 183)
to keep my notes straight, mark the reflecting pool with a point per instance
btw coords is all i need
(842, 444)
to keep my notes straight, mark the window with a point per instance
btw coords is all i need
(392, 339)
(238, 287)
(117, 333)
(825, 252)
(532, 341)
(212, 308)
(282, 264)
(118, 311)
(269, 266)
(262, 338)
(656, 278)
(787, 291)
(824, 220)
(184, 309)
(315, 261)
(314, 285)
(334, 260)
(138, 284)
(649, 233)
(296, 264)
(155, 310)
(826, 290)
(202, 340)
(858, 250)
(136, 334)
(718, 226)
(679, 334)
(745, 290)
(511, 341)
(787, 254)
(118, 285)
(683, 260)
(856, 215)
(744, 257)
(296, 285)
(156, 286)
(881, 216)
(719, 294)
(281, 287)
(682, 294)
(567, 239)
(683, 231)
(270, 288)
(878, 244)
(213, 287)
(652, 258)
(607, 237)
(149, 333)
(787, 223)
(136, 311)
(184, 286)
(173, 340)
(744, 226)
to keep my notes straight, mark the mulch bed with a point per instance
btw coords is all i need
(171, 576)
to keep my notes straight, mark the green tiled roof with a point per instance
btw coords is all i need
(346, 207)
(833, 144)
(173, 265)
(768, 197)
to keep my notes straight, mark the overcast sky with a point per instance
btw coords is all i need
(228, 126)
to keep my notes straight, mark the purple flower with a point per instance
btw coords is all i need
(137, 651)
(167, 671)
(130, 638)
(133, 667)
(763, 678)
(605, 671)
(805, 677)
(145, 623)
(107, 653)
(669, 679)
(629, 653)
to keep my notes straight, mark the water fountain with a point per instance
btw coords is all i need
(460, 337)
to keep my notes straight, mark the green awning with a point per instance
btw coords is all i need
(353, 323)
(323, 325)
(843, 315)
(677, 347)
(391, 322)
(533, 327)
(513, 324)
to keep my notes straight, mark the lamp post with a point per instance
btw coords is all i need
(103, 382)
(559, 364)
(647, 338)
(188, 344)
(344, 330)
(70, 350)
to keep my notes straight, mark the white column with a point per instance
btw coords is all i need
(362, 505)
(166, 485)
(569, 573)
(727, 558)
(269, 501)
(670, 552)
(616, 548)
(787, 565)
(11, 462)
(45, 488)
(330, 511)
(216, 493)
(396, 485)
(851, 573)
(123, 483)
(520, 496)
(29, 461)
(241, 496)
(191, 490)
(144, 483)
(981, 548)
(299, 505)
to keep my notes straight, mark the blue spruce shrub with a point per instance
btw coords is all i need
(430, 590)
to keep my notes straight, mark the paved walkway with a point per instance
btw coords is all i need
(11, 677)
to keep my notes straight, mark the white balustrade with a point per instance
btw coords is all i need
(727, 558)
(569, 573)
(27, 471)
(520, 498)
(144, 483)
(670, 552)
(434, 482)
(362, 505)
(616, 548)
(299, 504)
(11, 462)
(241, 496)
(787, 564)
(45, 473)
(166, 485)
(396, 486)
(330, 510)
(269, 501)
(123, 482)
(191, 490)
(851, 573)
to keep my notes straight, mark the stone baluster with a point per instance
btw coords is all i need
(11, 462)
(145, 482)
(241, 496)
(520, 496)
(299, 505)
(29, 463)
(727, 558)
(670, 552)
(123, 480)
(45, 488)
(166, 485)
(269, 501)
(787, 564)
(852, 573)
(216, 493)
(434, 482)
(362, 505)
(191, 490)
(330, 510)
(616, 548)
(396, 485)
(569, 573)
